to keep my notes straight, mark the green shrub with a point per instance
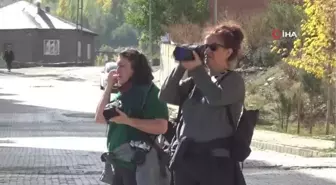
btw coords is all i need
(100, 60)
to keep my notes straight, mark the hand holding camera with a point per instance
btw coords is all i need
(190, 56)
(110, 110)
(190, 65)
(185, 53)
(113, 113)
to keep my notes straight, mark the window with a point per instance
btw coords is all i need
(51, 47)
(79, 49)
(88, 51)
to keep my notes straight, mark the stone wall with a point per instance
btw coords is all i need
(167, 61)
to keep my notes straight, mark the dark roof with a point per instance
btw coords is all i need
(25, 15)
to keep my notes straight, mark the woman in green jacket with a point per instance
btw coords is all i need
(142, 116)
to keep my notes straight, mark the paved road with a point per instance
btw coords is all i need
(47, 135)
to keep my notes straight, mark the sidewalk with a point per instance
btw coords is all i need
(292, 144)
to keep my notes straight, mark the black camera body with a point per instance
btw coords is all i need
(185, 52)
(110, 109)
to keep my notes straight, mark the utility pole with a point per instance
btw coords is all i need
(335, 81)
(215, 11)
(150, 31)
(79, 27)
(77, 15)
(81, 16)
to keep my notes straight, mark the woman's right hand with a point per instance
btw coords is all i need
(112, 78)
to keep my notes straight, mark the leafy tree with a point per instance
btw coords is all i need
(314, 50)
(106, 5)
(91, 9)
(164, 13)
(63, 9)
(101, 16)
(258, 28)
(123, 36)
(49, 1)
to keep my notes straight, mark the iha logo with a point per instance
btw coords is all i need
(278, 34)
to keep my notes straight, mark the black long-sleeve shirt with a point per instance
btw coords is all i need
(8, 56)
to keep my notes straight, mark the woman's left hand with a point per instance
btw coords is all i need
(190, 65)
(121, 119)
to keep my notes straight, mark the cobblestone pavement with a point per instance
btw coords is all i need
(38, 166)
(47, 137)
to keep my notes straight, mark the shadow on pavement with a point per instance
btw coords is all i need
(39, 75)
(59, 77)
(71, 79)
(6, 94)
(258, 164)
(10, 73)
(19, 120)
(27, 75)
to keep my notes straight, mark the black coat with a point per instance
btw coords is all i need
(8, 56)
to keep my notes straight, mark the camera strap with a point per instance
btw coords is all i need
(151, 137)
(222, 76)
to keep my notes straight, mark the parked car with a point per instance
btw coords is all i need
(109, 66)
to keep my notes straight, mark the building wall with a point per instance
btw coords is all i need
(67, 46)
(21, 41)
(28, 45)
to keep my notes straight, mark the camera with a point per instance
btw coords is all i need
(110, 109)
(185, 52)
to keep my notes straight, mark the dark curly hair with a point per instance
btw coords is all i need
(142, 72)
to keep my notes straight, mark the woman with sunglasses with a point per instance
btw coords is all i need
(209, 92)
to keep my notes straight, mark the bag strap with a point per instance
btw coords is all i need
(151, 137)
(228, 111)
(182, 100)
(231, 122)
(179, 116)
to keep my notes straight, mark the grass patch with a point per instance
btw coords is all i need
(318, 130)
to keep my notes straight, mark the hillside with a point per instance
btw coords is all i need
(282, 93)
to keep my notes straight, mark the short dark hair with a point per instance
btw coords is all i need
(142, 72)
(232, 36)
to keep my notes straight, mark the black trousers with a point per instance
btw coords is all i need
(9, 65)
(124, 176)
(208, 171)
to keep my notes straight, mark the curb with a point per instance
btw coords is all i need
(19, 65)
(290, 149)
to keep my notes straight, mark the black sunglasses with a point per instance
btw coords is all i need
(214, 46)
